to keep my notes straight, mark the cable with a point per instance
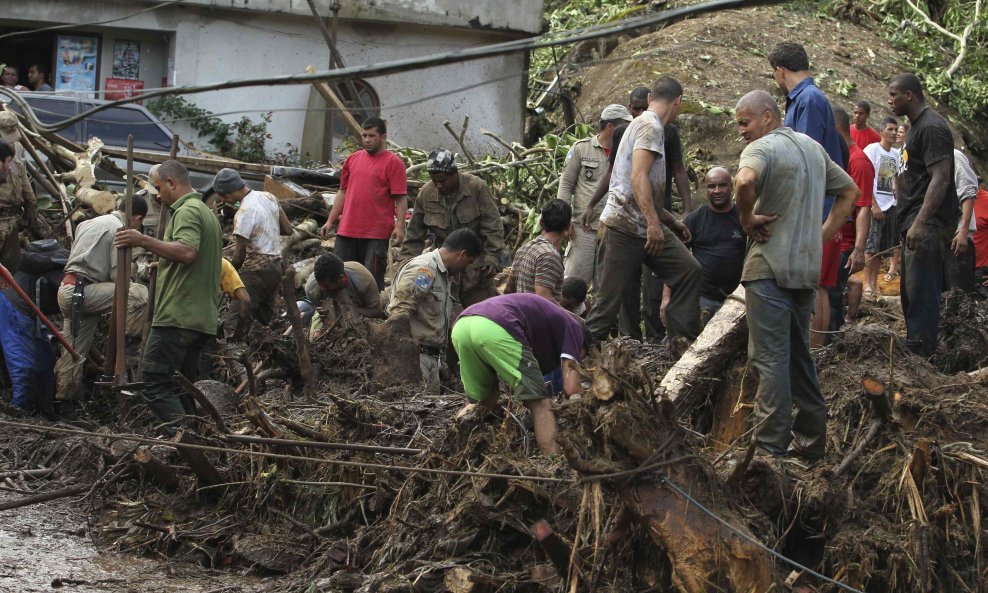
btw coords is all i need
(148, 441)
(405, 65)
(665, 480)
(93, 24)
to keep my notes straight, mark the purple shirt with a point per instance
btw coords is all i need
(549, 330)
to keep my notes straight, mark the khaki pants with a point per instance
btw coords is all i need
(97, 301)
(581, 254)
(10, 244)
(429, 366)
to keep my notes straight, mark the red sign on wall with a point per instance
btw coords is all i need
(121, 88)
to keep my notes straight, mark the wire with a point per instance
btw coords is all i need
(406, 65)
(149, 441)
(666, 481)
(93, 24)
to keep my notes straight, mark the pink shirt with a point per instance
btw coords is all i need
(371, 182)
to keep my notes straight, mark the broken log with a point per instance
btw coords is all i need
(155, 470)
(45, 497)
(302, 430)
(687, 383)
(259, 418)
(206, 473)
(100, 201)
(881, 409)
(462, 579)
(27, 473)
(298, 333)
(556, 550)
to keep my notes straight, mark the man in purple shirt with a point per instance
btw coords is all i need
(519, 338)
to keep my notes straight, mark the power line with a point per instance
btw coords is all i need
(405, 65)
(93, 24)
(667, 482)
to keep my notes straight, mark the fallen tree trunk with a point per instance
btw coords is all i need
(687, 382)
(45, 497)
(156, 471)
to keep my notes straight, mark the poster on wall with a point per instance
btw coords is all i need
(121, 88)
(76, 63)
(126, 59)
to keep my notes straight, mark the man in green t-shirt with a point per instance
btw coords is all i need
(187, 293)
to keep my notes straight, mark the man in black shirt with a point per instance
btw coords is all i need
(926, 211)
(718, 241)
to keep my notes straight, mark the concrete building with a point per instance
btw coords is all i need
(112, 42)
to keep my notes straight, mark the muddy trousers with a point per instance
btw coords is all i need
(921, 282)
(98, 300)
(263, 285)
(620, 260)
(778, 349)
(581, 254)
(371, 253)
(171, 349)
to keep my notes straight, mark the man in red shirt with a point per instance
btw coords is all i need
(371, 204)
(854, 233)
(861, 133)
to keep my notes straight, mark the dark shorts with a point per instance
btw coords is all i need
(831, 261)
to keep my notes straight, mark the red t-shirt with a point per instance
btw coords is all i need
(981, 235)
(864, 137)
(370, 182)
(861, 170)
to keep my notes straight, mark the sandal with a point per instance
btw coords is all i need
(891, 276)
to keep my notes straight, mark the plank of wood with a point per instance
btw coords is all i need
(687, 382)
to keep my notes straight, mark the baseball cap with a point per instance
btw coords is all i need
(615, 111)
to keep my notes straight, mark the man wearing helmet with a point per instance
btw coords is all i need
(451, 201)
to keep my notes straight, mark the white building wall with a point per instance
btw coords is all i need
(211, 45)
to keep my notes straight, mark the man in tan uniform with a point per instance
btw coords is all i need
(451, 201)
(17, 199)
(585, 164)
(424, 293)
(87, 292)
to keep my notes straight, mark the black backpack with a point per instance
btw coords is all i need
(41, 269)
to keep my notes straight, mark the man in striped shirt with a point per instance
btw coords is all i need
(538, 265)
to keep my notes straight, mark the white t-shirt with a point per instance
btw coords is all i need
(622, 211)
(966, 182)
(257, 221)
(886, 163)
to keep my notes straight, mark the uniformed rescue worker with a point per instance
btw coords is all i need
(586, 163)
(87, 293)
(17, 199)
(451, 201)
(424, 292)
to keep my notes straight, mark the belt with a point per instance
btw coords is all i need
(431, 350)
(71, 279)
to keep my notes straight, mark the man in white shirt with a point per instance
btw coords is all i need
(257, 227)
(882, 235)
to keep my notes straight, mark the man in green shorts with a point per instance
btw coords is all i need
(519, 338)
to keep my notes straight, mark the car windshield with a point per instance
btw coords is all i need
(111, 125)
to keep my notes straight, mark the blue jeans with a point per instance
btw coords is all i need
(778, 349)
(29, 357)
(921, 282)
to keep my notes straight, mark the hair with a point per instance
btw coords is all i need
(909, 82)
(138, 206)
(575, 288)
(375, 122)
(556, 216)
(40, 68)
(905, 124)
(640, 93)
(6, 150)
(464, 240)
(789, 55)
(842, 119)
(890, 121)
(173, 170)
(328, 267)
(864, 106)
(759, 102)
(666, 89)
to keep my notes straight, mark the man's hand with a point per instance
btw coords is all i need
(756, 226)
(877, 213)
(683, 231)
(959, 244)
(916, 234)
(586, 220)
(399, 235)
(129, 238)
(856, 262)
(654, 238)
(327, 228)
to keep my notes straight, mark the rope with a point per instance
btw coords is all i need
(667, 482)
(360, 464)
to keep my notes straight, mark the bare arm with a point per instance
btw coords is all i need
(239, 252)
(755, 225)
(571, 377)
(682, 180)
(959, 244)
(840, 211)
(284, 225)
(862, 224)
(641, 163)
(175, 251)
(334, 213)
